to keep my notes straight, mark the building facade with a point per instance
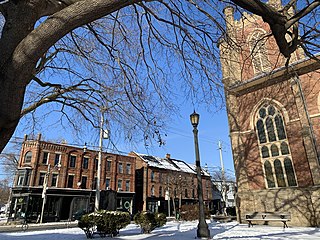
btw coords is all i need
(165, 184)
(69, 175)
(274, 121)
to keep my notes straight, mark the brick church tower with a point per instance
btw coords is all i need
(274, 121)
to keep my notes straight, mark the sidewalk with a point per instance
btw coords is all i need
(38, 226)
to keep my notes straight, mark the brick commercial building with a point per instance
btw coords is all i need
(71, 175)
(165, 184)
(274, 121)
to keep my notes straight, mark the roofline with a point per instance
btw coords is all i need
(280, 74)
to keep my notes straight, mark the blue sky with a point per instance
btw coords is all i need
(179, 141)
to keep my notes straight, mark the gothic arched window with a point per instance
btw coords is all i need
(274, 148)
(259, 53)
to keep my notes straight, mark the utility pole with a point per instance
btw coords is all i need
(223, 187)
(97, 198)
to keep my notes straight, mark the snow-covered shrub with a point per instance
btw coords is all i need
(104, 223)
(148, 221)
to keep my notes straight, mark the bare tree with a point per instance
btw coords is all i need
(124, 62)
(4, 191)
(85, 55)
(293, 24)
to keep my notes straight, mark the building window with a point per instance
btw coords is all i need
(160, 177)
(41, 179)
(186, 193)
(160, 191)
(119, 185)
(72, 161)
(108, 166)
(54, 180)
(120, 168)
(57, 159)
(128, 168)
(274, 148)
(107, 183)
(128, 185)
(259, 53)
(45, 157)
(152, 190)
(84, 182)
(152, 176)
(20, 181)
(70, 181)
(193, 194)
(85, 164)
(28, 157)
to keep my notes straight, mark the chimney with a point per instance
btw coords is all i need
(168, 156)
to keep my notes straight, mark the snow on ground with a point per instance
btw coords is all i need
(179, 231)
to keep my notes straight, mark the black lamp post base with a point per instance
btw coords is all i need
(203, 231)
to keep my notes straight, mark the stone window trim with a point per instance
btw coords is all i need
(258, 51)
(274, 149)
(27, 157)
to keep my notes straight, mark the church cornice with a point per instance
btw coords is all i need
(281, 74)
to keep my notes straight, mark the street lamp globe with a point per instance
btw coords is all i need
(194, 118)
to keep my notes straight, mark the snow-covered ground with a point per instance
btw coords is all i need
(177, 231)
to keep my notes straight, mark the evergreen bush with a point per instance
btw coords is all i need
(148, 221)
(104, 223)
(191, 212)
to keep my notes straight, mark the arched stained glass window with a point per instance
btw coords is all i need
(262, 112)
(265, 152)
(274, 147)
(270, 130)
(271, 110)
(274, 150)
(284, 148)
(261, 132)
(280, 127)
(290, 172)
(269, 174)
(279, 173)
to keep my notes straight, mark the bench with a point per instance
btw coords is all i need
(268, 217)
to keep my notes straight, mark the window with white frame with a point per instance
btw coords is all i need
(127, 185)
(45, 157)
(120, 168)
(54, 180)
(119, 184)
(28, 157)
(274, 148)
(57, 159)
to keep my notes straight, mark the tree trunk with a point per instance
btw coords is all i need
(12, 95)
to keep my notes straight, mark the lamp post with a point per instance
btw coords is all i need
(44, 189)
(202, 231)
